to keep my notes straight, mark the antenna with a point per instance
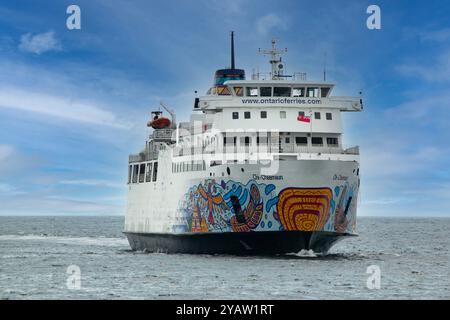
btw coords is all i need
(325, 67)
(232, 49)
(275, 60)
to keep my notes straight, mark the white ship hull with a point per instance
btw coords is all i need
(307, 204)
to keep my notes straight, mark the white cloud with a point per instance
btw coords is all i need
(55, 106)
(38, 205)
(432, 71)
(94, 183)
(40, 43)
(5, 151)
(387, 201)
(441, 35)
(9, 190)
(265, 24)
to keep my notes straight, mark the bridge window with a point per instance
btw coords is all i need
(288, 140)
(332, 142)
(301, 141)
(130, 170)
(239, 91)
(141, 172)
(263, 114)
(149, 172)
(235, 115)
(281, 91)
(317, 115)
(155, 171)
(298, 92)
(252, 91)
(312, 92)
(223, 91)
(324, 92)
(329, 116)
(265, 91)
(317, 141)
(282, 114)
(135, 173)
(247, 115)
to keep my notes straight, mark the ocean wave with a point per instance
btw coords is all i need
(85, 241)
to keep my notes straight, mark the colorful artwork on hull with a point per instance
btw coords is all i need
(304, 209)
(231, 206)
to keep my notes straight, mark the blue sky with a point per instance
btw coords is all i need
(74, 103)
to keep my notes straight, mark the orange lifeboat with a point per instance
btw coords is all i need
(159, 123)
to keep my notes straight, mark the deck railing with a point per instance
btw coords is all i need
(247, 149)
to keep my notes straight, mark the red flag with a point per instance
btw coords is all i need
(304, 119)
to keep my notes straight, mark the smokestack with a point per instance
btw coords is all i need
(232, 49)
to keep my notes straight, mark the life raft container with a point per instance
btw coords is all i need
(159, 123)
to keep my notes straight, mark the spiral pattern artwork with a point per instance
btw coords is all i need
(253, 213)
(304, 209)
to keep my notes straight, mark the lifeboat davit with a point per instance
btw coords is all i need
(159, 123)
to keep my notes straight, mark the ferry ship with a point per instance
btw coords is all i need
(260, 168)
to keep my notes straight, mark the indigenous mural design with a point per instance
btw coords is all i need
(230, 206)
(304, 209)
(251, 216)
(344, 214)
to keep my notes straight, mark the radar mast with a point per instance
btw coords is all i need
(275, 60)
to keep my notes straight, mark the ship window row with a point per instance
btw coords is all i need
(188, 166)
(295, 91)
(143, 172)
(299, 141)
(263, 115)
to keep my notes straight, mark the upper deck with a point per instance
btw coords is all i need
(276, 93)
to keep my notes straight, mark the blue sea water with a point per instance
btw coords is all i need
(412, 255)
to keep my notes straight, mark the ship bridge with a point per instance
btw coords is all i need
(275, 93)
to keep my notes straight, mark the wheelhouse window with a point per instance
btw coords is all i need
(298, 92)
(235, 115)
(317, 115)
(130, 170)
(282, 114)
(312, 92)
(135, 173)
(324, 92)
(301, 141)
(155, 171)
(223, 91)
(329, 116)
(281, 91)
(252, 91)
(148, 176)
(265, 91)
(141, 172)
(317, 141)
(263, 114)
(332, 142)
(247, 115)
(239, 91)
